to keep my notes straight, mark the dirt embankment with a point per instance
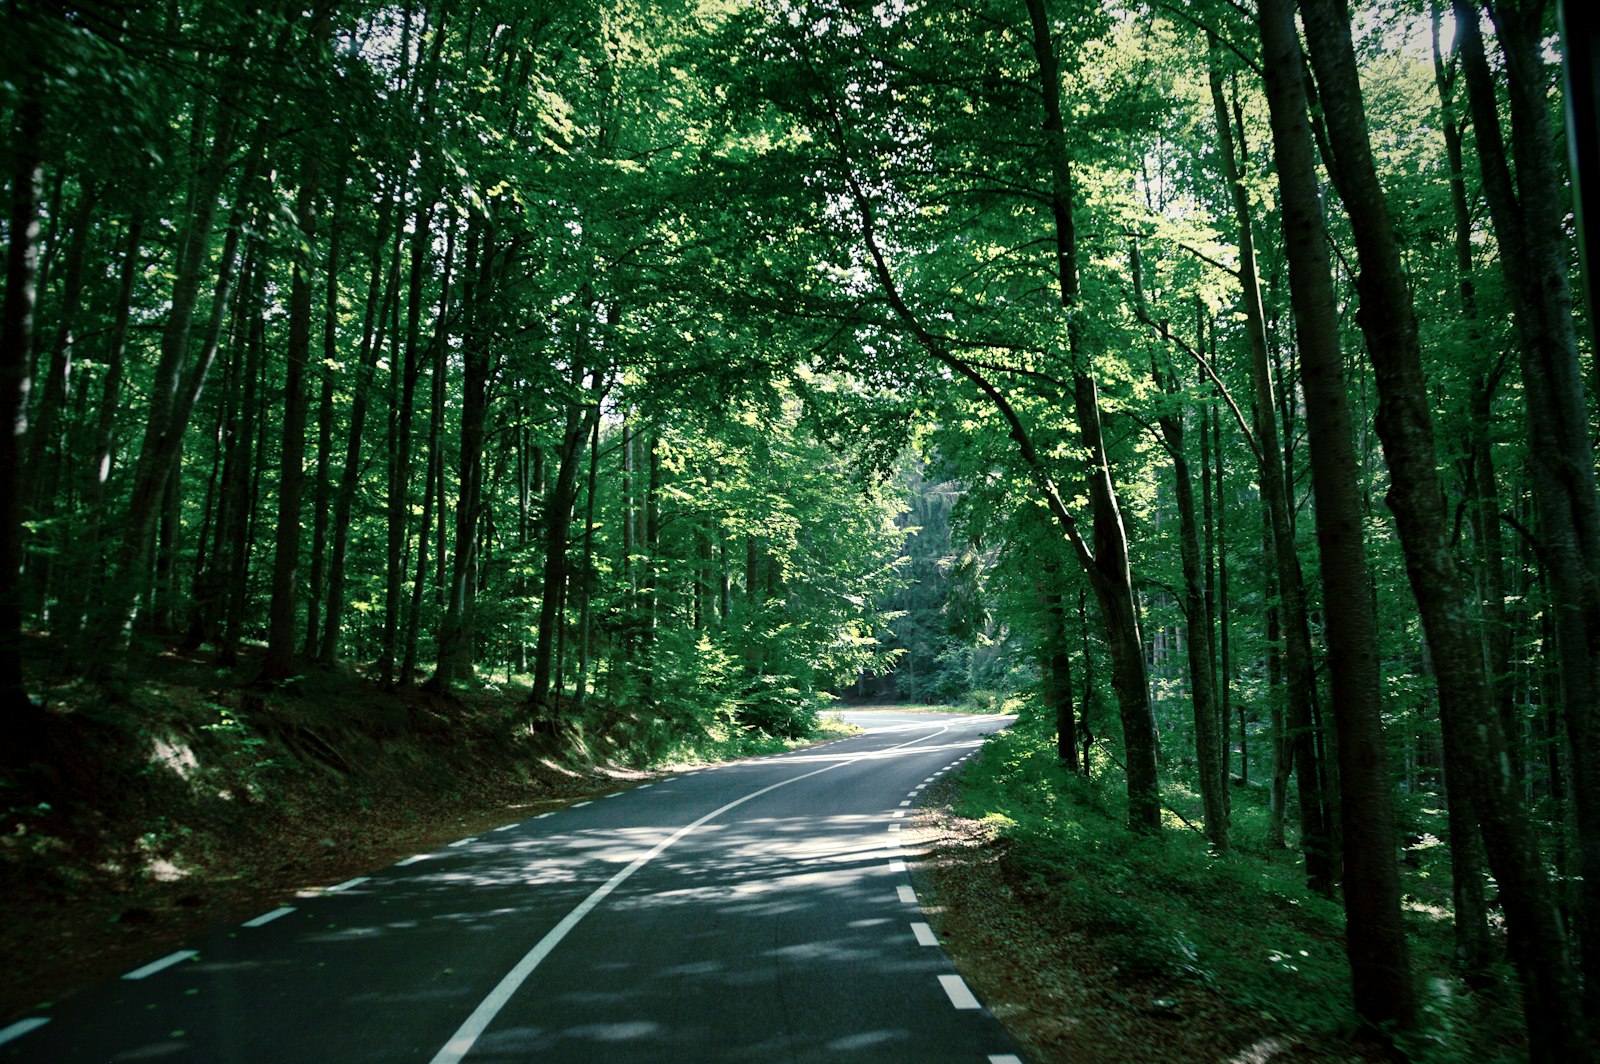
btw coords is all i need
(147, 811)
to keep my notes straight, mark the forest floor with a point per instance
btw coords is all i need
(1095, 946)
(1057, 986)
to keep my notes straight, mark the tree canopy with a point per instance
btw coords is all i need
(1210, 373)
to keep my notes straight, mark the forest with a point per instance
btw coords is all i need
(1211, 382)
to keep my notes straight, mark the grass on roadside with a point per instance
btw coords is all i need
(1239, 925)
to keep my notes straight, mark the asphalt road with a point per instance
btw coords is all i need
(755, 911)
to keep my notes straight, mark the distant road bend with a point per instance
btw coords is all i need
(755, 911)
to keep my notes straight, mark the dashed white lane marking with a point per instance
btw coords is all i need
(541, 816)
(22, 1027)
(463, 842)
(267, 918)
(579, 805)
(894, 827)
(955, 988)
(907, 895)
(165, 962)
(505, 827)
(898, 813)
(339, 888)
(1004, 1058)
(644, 786)
(467, 1035)
(930, 779)
(921, 786)
(614, 794)
(412, 860)
(905, 803)
(924, 935)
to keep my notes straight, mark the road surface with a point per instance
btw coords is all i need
(754, 911)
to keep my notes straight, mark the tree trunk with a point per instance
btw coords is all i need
(455, 657)
(1055, 668)
(1375, 939)
(651, 569)
(239, 466)
(278, 663)
(557, 528)
(1315, 837)
(1526, 218)
(580, 689)
(408, 664)
(324, 486)
(402, 411)
(177, 385)
(16, 341)
(1109, 572)
(375, 321)
(1208, 758)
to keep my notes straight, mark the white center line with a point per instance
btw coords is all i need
(467, 1035)
(267, 918)
(165, 962)
(906, 894)
(924, 935)
(22, 1027)
(338, 888)
(955, 989)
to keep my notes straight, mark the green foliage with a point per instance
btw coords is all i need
(1167, 907)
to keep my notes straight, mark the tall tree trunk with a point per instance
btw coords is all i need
(1208, 758)
(1526, 217)
(402, 409)
(45, 445)
(456, 636)
(16, 341)
(1299, 733)
(178, 383)
(375, 321)
(1224, 614)
(581, 687)
(650, 576)
(324, 485)
(1474, 949)
(408, 664)
(240, 464)
(1375, 939)
(1055, 667)
(278, 664)
(557, 528)
(1109, 573)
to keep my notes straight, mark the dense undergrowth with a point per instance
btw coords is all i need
(1170, 911)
